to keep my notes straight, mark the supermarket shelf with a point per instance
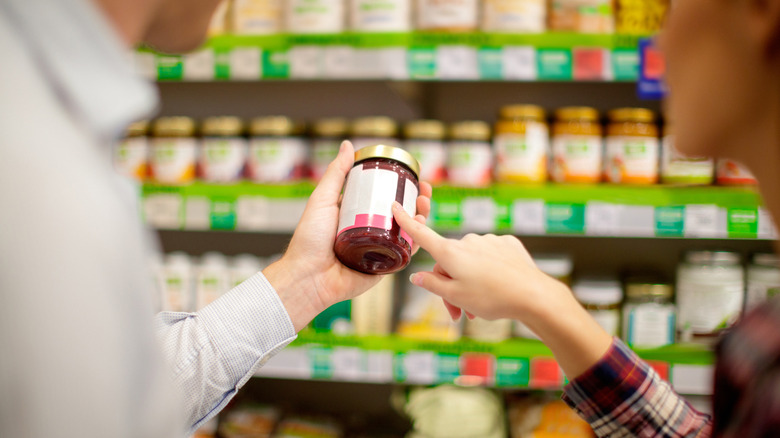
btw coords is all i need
(597, 210)
(515, 363)
(402, 56)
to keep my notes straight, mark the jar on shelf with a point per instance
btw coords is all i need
(732, 173)
(212, 279)
(175, 280)
(557, 266)
(677, 168)
(601, 297)
(710, 290)
(425, 141)
(223, 149)
(132, 152)
(648, 314)
(763, 274)
(369, 240)
(577, 145)
(256, 17)
(447, 15)
(488, 331)
(640, 17)
(422, 314)
(277, 150)
(514, 16)
(371, 131)
(173, 151)
(632, 147)
(522, 146)
(582, 16)
(219, 20)
(381, 15)
(328, 135)
(469, 154)
(315, 16)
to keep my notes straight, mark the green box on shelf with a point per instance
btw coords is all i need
(448, 368)
(221, 64)
(512, 372)
(421, 62)
(625, 64)
(565, 218)
(276, 64)
(321, 364)
(743, 222)
(169, 67)
(491, 65)
(446, 214)
(223, 214)
(554, 64)
(670, 221)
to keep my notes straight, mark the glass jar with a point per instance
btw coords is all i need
(632, 148)
(557, 266)
(732, 173)
(601, 297)
(174, 150)
(223, 149)
(422, 314)
(577, 146)
(488, 331)
(328, 135)
(256, 17)
(514, 16)
(369, 240)
(381, 15)
(277, 150)
(710, 290)
(648, 314)
(677, 168)
(371, 131)
(425, 141)
(315, 16)
(469, 155)
(212, 279)
(762, 275)
(132, 152)
(582, 16)
(521, 142)
(447, 15)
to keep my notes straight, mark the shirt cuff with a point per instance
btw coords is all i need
(252, 321)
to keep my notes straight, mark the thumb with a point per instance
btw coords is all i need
(333, 180)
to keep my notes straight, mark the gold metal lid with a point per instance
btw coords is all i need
(577, 113)
(474, 130)
(424, 129)
(275, 126)
(224, 126)
(393, 153)
(173, 127)
(137, 129)
(331, 127)
(642, 115)
(533, 112)
(649, 289)
(378, 126)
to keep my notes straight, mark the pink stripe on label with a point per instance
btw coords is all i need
(371, 220)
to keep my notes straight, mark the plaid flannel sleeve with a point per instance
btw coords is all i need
(623, 396)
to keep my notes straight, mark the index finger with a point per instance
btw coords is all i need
(422, 235)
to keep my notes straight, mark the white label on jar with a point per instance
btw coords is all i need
(274, 159)
(523, 157)
(324, 150)
(632, 159)
(704, 308)
(609, 320)
(363, 142)
(315, 16)
(446, 14)
(648, 325)
(368, 199)
(176, 287)
(432, 157)
(514, 16)
(212, 284)
(470, 163)
(173, 160)
(381, 15)
(222, 159)
(257, 17)
(687, 169)
(130, 157)
(576, 158)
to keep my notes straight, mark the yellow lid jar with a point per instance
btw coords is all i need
(278, 151)
(577, 146)
(469, 154)
(132, 152)
(173, 150)
(374, 130)
(425, 141)
(223, 149)
(632, 147)
(328, 135)
(521, 143)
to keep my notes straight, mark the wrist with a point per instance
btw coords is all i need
(296, 292)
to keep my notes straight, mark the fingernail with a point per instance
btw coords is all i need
(414, 279)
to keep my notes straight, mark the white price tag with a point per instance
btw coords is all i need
(519, 63)
(636, 221)
(379, 367)
(284, 214)
(420, 367)
(199, 66)
(347, 363)
(252, 213)
(145, 65)
(339, 62)
(394, 63)
(163, 211)
(601, 219)
(766, 226)
(291, 363)
(692, 379)
(368, 64)
(197, 213)
(307, 62)
(479, 215)
(702, 221)
(528, 217)
(457, 62)
(246, 63)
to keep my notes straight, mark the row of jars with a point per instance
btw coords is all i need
(263, 17)
(520, 149)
